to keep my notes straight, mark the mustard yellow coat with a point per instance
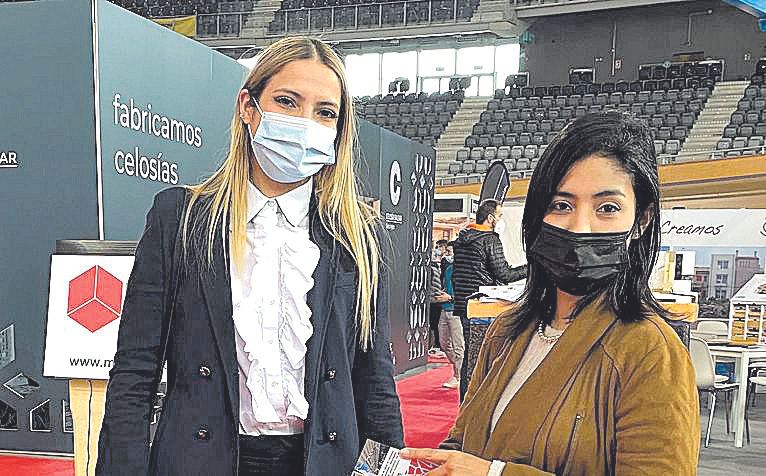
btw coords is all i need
(610, 398)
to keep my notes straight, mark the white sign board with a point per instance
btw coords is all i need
(725, 227)
(84, 307)
(754, 291)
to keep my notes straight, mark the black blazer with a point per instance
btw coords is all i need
(351, 393)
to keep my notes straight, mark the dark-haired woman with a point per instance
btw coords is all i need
(583, 376)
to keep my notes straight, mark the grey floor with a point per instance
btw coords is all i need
(721, 458)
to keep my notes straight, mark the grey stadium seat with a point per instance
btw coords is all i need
(746, 130)
(517, 152)
(672, 146)
(724, 144)
(530, 152)
(463, 154)
(481, 166)
(702, 93)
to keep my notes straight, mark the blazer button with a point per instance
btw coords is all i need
(204, 372)
(331, 374)
(203, 434)
(332, 436)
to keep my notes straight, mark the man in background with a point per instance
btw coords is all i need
(450, 328)
(480, 261)
(438, 296)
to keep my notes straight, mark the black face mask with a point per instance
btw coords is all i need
(579, 263)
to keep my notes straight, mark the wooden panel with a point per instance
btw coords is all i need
(87, 399)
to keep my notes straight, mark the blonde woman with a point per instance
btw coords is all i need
(278, 346)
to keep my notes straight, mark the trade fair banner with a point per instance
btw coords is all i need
(84, 307)
(717, 227)
(165, 104)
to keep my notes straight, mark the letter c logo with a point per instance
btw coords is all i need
(395, 183)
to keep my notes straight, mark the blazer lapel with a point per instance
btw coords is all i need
(216, 290)
(319, 300)
(550, 379)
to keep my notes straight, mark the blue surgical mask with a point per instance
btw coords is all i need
(290, 149)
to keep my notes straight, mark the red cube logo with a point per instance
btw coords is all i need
(95, 298)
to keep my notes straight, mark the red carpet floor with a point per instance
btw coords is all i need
(35, 466)
(428, 410)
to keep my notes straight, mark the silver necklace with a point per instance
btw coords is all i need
(543, 337)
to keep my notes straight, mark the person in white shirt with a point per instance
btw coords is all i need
(277, 331)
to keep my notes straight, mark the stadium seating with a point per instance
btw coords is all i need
(744, 135)
(318, 15)
(526, 119)
(418, 116)
(223, 17)
(172, 8)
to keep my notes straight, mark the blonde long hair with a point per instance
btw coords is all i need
(349, 220)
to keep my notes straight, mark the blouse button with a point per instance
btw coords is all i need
(204, 372)
(331, 374)
(203, 434)
(332, 436)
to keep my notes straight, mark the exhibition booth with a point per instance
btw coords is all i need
(102, 113)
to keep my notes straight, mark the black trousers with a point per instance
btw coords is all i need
(465, 372)
(271, 455)
(434, 311)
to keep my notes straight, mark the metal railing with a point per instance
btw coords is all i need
(478, 177)
(662, 159)
(714, 154)
(538, 3)
(371, 15)
(341, 17)
(221, 25)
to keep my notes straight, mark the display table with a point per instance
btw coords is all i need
(481, 315)
(742, 357)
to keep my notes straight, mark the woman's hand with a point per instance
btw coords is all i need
(452, 463)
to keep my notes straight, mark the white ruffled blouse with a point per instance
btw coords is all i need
(271, 317)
